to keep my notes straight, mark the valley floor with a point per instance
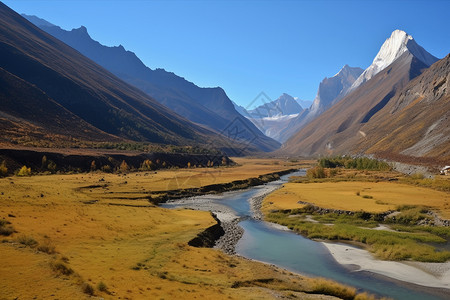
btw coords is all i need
(70, 240)
(384, 214)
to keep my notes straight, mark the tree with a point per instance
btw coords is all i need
(93, 166)
(24, 171)
(124, 167)
(3, 169)
(44, 162)
(148, 165)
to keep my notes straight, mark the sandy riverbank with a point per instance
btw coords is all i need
(436, 275)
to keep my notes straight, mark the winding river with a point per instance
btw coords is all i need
(270, 244)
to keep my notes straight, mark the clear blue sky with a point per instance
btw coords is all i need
(251, 46)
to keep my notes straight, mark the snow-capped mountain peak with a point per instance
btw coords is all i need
(398, 43)
(332, 88)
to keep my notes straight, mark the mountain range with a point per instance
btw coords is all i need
(61, 88)
(272, 117)
(52, 95)
(208, 107)
(385, 111)
(330, 91)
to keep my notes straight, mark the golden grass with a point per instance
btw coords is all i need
(373, 196)
(137, 252)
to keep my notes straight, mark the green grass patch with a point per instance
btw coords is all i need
(359, 163)
(388, 245)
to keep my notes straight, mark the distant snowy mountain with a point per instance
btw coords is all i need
(272, 117)
(330, 91)
(395, 46)
(283, 106)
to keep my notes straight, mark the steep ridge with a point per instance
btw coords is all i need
(22, 120)
(330, 91)
(210, 107)
(81, 93)
(338, 130)
(416, 122)
(398, 43)
(334, 88)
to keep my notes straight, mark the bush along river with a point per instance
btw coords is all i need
(248, 236)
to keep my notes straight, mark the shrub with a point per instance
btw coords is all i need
(316, 172)
(107, 169)
(27, 240)
(3, 169)
(101, 286)
(61, 267)
(47, 247)
(24, 171)
(51, 166)
(88, 289)
(5, 228)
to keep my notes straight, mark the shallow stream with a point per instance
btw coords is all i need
(267, 243)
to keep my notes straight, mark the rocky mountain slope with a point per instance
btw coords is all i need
(330, 91)
(416, 122)
(341, 129)
(209, 107)
(50, 90)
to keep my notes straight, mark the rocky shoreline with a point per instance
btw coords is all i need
(225, 217)
(256, 201)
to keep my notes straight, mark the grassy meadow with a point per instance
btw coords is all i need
(368, 195)
(62, 237)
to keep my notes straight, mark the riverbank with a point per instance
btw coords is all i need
(227, 218)
(436, 275)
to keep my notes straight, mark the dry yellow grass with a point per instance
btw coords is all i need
(382, 196)
(137, 252)
(116, 188)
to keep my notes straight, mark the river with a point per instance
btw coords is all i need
(267, 243)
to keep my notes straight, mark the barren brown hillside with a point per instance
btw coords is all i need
(416, 122)
(338, 130)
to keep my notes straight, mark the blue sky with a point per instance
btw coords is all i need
(247, 47)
